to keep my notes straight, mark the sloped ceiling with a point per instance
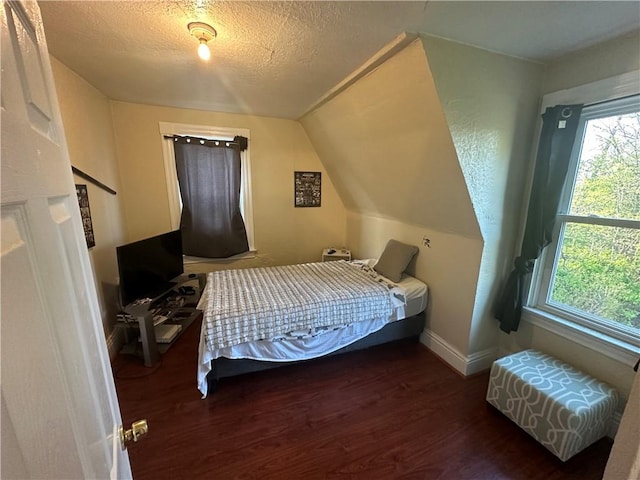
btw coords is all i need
(386, 145)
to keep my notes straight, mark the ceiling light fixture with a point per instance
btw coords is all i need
(204, 33)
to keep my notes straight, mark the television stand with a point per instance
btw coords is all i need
(170, 307)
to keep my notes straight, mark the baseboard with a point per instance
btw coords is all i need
(481, 361)
(114, 342)
(465, 365)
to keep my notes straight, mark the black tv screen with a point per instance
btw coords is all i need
(147, 267)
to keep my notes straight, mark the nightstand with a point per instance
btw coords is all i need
(336, 254)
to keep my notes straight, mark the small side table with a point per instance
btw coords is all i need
(336, 254)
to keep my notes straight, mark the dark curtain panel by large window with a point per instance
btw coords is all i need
(559, 126)
(209, 174)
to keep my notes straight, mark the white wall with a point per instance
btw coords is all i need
(86, 116)
(12, 464)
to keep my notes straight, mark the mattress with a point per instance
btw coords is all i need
(416, 294)
(287, 349)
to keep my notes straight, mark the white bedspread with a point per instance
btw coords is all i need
(244, 305)
(317, 307)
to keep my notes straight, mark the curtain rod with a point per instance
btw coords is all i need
(237, 140)
(88, 177)
(198, 138)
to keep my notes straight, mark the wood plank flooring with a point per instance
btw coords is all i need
(393, 411)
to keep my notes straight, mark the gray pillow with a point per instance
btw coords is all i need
(395, 259)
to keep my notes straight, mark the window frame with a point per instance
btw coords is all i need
(546, 265)
(604, 98)
(173, 190)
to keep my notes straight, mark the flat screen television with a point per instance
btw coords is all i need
(147, 267)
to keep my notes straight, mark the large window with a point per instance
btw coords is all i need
(203, 131)
(590, 274)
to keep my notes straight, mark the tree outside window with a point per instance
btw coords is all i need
(595, 271)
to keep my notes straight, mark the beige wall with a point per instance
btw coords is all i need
(386, 144)
(283, 234)
(450, 268)
(86, 116)
(464, 119)
(87, 121)
(490, 102)
(607, 59)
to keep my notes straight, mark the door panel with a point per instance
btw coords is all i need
(60, 408)
(24, 324)
(30, 69)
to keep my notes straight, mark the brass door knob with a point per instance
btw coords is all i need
(137, 430)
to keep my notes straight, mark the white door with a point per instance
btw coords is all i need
(60, 412)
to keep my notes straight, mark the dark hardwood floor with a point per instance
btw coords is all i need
(393, 411)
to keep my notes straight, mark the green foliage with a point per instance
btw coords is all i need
(599, 267)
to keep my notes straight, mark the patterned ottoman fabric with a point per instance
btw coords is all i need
(562, 408)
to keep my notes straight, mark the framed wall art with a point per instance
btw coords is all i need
(85, 214)
(308, 189)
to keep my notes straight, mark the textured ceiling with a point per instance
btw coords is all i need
(278, 58)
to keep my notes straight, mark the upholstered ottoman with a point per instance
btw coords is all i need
(562, 408)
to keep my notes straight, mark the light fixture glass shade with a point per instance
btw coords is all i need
(203, 33)
(203, 50)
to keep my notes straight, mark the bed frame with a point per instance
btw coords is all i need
(407, 328)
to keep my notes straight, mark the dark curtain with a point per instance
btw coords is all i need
(559, 126)
(209, 174)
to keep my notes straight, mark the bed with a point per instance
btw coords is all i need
(260, 318)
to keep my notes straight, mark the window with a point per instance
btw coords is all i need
(175, 206)
(590, 274)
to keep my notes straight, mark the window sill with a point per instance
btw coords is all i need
(242, 256)
(610, 347)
